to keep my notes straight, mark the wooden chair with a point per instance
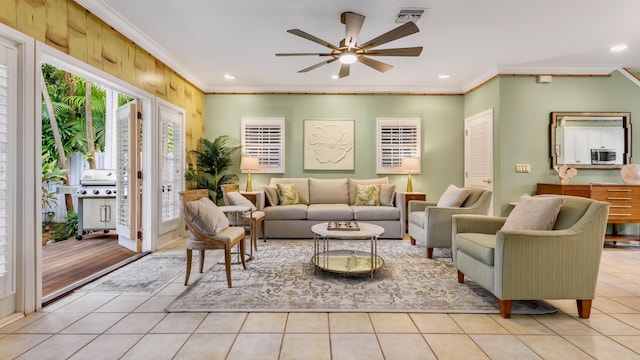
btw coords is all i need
(257, 217)
(197, 240)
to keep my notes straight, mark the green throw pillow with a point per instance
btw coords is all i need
(368, 195)
(288, 194)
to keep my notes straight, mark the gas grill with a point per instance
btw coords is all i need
(96, 199)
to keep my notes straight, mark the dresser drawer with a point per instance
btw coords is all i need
(625, 202)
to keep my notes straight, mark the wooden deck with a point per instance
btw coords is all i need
(67, 262)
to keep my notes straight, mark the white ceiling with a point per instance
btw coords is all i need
(471, 40)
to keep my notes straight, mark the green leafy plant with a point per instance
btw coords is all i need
(213, 160)
(51, 174)
(66, 229)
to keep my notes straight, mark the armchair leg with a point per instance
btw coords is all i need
(460, 277)
(505, 308)
(227, 263)
(584, 308)
(242, 252)
(412, 240)
(189, 256)
(429, 253)
(201, 261)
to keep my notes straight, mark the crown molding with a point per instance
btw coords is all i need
(122, 25)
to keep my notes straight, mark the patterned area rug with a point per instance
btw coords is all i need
(282, 279)
(145, 275)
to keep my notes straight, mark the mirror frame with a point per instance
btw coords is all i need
(626, 125)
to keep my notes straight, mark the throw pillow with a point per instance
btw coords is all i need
(271, 193)
(367, 195)
(453, 197)
(288, 194)
(206, 216)
(236, 199)
(387, 194)
(534, 213)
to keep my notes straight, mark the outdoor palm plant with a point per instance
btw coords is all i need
(213, 160)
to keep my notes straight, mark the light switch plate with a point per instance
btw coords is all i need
(523, 168)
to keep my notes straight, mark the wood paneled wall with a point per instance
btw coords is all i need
(70, 28)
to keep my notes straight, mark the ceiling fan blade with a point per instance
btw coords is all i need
(344, 70)
(397, 33)
(303, 54)
(317, 65)
(410, 51)
(378, 65)
(353, 26)
(308, 36)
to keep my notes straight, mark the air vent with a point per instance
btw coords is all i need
(409, 14)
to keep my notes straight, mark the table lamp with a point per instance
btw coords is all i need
(410, 164)
(249, 163)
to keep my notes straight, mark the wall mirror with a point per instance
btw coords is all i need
(590, 140)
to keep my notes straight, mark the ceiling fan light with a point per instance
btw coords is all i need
(348, 58)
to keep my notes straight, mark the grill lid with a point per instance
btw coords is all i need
(98, 177)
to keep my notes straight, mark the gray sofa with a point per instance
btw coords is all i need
(322, 200)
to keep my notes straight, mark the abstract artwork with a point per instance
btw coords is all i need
(329, 144)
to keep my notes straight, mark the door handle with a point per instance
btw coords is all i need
(487, 181)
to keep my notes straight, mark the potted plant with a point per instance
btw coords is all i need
(213, 160)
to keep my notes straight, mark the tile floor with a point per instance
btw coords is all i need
(134, 326)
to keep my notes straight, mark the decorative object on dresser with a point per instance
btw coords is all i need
(630, 174)
(565, 173)
(624, 200)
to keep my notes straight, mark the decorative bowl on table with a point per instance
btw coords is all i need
(630, 174)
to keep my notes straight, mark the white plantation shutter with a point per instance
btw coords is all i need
(8, 88)
(397, 139)
(172, 163)
(264, 138)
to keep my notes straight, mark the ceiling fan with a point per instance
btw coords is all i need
(349, 51)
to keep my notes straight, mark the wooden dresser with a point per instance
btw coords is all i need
(624, 199)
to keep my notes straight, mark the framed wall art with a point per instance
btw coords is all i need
(329, 144)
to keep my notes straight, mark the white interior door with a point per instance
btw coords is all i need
(478, 151)
(8, 135)
(128, 220)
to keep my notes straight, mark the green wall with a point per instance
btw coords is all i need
(442, 131)
(521, 128)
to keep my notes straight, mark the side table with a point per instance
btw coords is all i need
(240, 216)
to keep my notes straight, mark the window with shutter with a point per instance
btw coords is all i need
(397, 139)
(7, 171)
(172, 163)
(264, 138)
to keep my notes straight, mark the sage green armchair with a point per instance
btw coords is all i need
(430, 225)
(562, 263)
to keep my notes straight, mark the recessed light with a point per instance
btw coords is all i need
(334, 76)
(617, 48)
(444, 76)
(229, 77)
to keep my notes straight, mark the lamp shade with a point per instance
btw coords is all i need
(249, 163)
(410, 164)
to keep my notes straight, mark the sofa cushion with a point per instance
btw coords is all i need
(302, 184)
(286, 212)
(479, 246)
(354, 182)
(329, 212)
(387, 194)
(288, 194)
(206, 216)
(534, 213)
(453, 196)
(367, 195)
(236, 199)
(328, 191)
(363, 213)
(271, 193)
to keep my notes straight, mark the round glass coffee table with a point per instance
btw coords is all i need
(346, 261)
